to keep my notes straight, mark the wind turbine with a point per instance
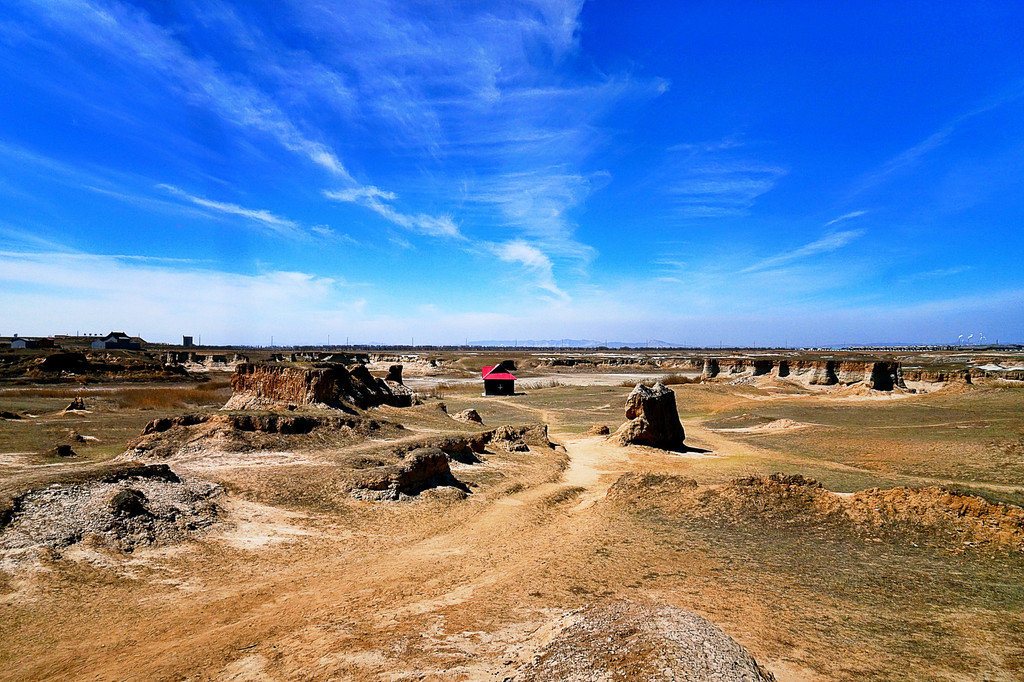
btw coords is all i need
(969, 337)
(960, 340)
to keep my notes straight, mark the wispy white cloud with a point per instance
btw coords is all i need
(830, 242)
(846, 216)
(283, 227)
(377, 201)
(716, 179)
(131, 37)
(57, 291)
(912, 156)
(535, 261)
(935, 274)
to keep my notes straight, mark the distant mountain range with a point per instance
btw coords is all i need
(571, 343)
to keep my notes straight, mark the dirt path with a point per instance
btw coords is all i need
(309, 600)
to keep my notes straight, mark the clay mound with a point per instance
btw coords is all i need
(420, 469)
(783, 424)
(514, 438)
(469, 416)
(622, 640)
(120, 508)
(76, 405)
(938, 515)
(956, 387)
(192, 434)
(653, 419)
(598, 430)
(73, 436)
(61, 450)
(968, 519)
(865, 390)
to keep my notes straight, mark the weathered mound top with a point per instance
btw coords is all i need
(191, 434)
(933, 515)
(653, 419)
(622, 640)
(271, 386)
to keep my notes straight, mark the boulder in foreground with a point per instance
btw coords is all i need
(653, 419)
(623, 640)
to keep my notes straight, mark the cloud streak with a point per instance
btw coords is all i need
(283, 227)
(129, 36)
(378, 202)
(826, 244)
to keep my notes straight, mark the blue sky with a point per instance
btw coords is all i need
(697, 172)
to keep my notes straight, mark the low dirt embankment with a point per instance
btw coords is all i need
(933, 515)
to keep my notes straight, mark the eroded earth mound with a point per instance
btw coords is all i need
(653, 419)
(420, 469)
(273, 386)
(192, 434)
(623, 640)
(123, 508)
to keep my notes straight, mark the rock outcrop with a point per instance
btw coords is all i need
(422, 468)
(76, 405)
(264, 386)
(469, 416)
(653, 419)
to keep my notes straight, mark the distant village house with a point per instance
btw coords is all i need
(498, 380)
(118, 341)
(19, 342)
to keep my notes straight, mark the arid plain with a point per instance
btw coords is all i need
(842, 529)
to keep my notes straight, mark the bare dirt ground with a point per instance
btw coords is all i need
(299, 581)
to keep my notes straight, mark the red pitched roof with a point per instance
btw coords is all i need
(489, 373)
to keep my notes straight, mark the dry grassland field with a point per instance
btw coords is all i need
(842, 530)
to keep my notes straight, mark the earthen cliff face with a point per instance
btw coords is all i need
(259, 386)
(881, 375)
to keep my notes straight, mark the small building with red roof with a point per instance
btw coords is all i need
(498, 380)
